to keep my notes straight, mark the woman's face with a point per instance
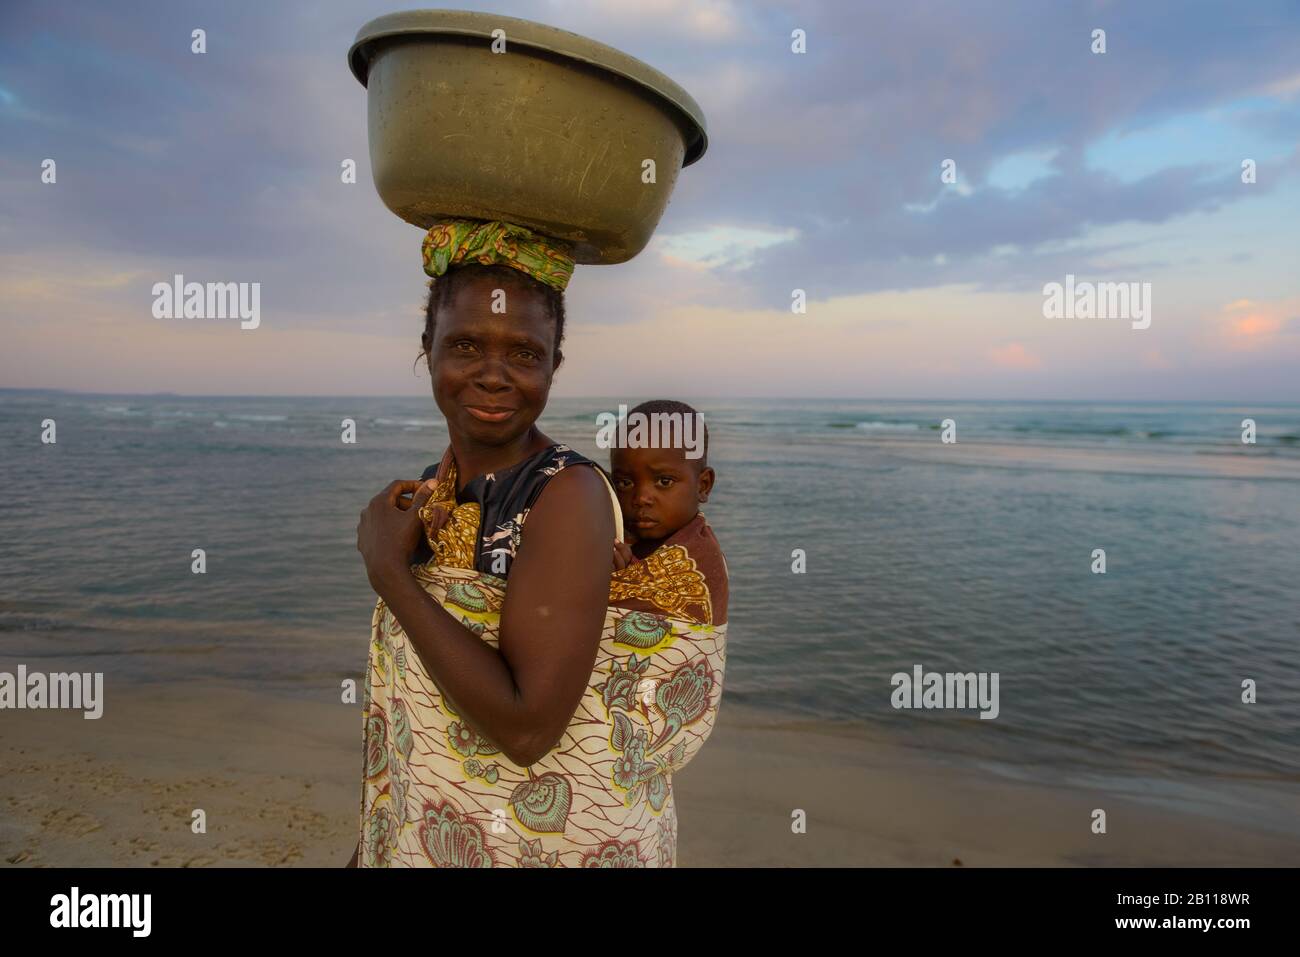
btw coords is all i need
(492, 371)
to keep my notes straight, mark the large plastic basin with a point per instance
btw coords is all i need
(552, 134)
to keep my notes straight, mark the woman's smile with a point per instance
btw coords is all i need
(489, 413)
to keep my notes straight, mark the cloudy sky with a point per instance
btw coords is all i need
(823, 173)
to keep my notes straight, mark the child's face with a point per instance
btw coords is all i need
(660, 490)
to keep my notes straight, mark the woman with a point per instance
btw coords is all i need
(502, 726)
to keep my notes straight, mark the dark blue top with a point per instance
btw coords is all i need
(504, 497)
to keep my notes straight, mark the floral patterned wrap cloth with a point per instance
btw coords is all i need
(437, 793)
(452, 242)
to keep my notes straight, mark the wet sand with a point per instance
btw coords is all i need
(278, 779)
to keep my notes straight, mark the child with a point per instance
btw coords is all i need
(662, 659)
(658, 489)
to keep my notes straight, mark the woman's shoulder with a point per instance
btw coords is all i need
(577, 485)
(560, 459)
(550, 462)
(559, 456)
(574, 505)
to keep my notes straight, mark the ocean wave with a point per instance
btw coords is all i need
(1114, 430)
(878, 426)
(411, 423)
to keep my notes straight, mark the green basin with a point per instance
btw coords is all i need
(552, 134)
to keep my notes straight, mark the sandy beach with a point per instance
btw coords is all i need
(277, 779)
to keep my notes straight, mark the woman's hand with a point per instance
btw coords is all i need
(390, 530)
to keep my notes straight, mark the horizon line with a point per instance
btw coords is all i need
(767, 398)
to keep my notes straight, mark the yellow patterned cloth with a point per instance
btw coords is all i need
(437, 793)
(453, 242)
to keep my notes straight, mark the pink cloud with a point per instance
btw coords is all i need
(1155, 359)
(1014, 356)
(1249, 323)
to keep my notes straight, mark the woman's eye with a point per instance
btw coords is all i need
(526, 354)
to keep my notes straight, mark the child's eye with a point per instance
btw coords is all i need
(664, 481)
(622, 484)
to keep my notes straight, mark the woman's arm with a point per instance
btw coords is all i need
(522, 695)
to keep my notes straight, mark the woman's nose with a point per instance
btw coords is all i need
(492, 375)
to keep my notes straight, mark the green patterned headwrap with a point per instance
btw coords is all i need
(453, 242)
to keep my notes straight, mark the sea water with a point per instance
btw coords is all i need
(974, 556)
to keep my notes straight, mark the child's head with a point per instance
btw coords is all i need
(660, 489)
